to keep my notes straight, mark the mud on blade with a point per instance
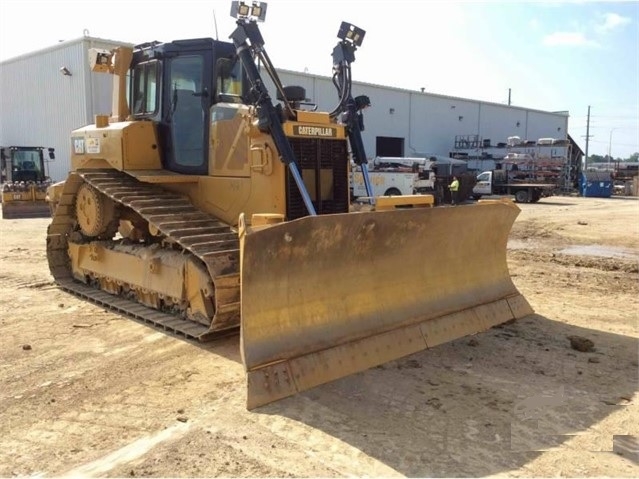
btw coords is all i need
(327, 296)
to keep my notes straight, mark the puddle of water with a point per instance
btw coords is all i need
(601, 251)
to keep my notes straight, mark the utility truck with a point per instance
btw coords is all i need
(498, 182)
(390, 176)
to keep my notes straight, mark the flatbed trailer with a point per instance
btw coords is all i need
(494, 183)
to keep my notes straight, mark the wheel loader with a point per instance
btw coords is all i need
(205, 208)
(24, 181)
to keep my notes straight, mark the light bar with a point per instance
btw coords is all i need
(350, 33)
(254, 12)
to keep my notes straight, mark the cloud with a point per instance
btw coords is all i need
(612, 21)
(575, 39)
(533, 24)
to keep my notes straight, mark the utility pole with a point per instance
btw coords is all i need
(509, 97)
(587, 139)
(610, 145)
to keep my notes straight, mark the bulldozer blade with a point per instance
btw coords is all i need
(327, 296)
(25, 209)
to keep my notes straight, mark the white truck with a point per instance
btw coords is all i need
(395, 177)
(496, 182)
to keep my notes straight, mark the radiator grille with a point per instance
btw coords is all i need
(324, 164)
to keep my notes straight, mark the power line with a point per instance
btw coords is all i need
(635, 145)
(618, 117)
(605, 125)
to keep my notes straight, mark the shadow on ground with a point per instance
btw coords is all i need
(477, 406)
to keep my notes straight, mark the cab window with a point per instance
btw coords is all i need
(145, 89)
(229, 80)
(188, 132)
(27, 161)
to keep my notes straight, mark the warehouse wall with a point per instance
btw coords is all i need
(428, 123)
(41, 106)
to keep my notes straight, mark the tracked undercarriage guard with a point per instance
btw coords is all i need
(328, 296)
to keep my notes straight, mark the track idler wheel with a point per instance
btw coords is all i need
(94, 211)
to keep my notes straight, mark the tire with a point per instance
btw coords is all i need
(477, 197)
(392, 192)
(521, 196)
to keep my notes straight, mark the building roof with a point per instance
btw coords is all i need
(426, 93)
(575, 145)
(310, 75)
(64, 44)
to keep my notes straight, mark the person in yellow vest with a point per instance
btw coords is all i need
(454, 191)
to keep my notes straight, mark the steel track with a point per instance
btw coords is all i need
(173, 215)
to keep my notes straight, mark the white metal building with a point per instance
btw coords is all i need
(46, 94)
(414, 123)
(41, 105)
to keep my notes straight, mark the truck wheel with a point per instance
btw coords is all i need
(521, 196)
(392, 192)
(477, 197)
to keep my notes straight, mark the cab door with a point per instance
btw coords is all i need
(187, 96)
(484, 184)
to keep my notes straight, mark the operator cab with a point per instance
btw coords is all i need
(175, 84)
(23, 163)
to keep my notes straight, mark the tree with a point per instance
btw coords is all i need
(605, 159)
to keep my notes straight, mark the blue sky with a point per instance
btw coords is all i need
(554, 56)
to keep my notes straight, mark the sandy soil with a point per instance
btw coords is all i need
(86, 392)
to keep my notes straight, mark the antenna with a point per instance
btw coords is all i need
(215, 23)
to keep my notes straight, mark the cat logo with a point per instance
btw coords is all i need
(322, 131)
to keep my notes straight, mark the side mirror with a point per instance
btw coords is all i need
(51, 153)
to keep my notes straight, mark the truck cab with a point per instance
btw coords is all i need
(484, 185)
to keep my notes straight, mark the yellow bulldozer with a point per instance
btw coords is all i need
(205, 208)
(24, 181)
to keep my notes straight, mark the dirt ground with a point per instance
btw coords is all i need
(87, 392)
